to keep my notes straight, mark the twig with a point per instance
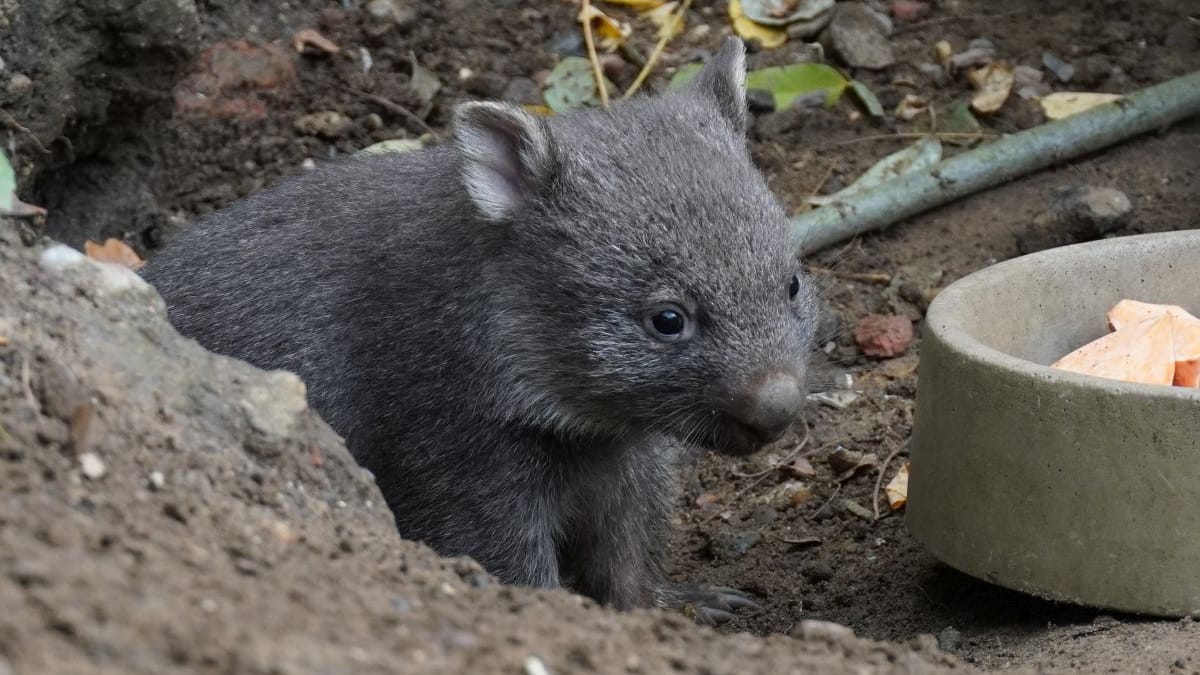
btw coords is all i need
(12, 122)
(997, 162)
(585, 18)
(760, 477)
(829, 501)
(27, 384)
(393, 107)
(879, 479)
(667, 34)
(865, 277)
(969, 135)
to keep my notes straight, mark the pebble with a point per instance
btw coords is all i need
(824, 631)
(1104, 208)
(522, 90)
(157, 480)
(391, 13)
(534, 666)
(859, 36)
(327, 123)
(566, 43)
(92, 466)
(883, 337)
(19, 83)
(801, 30)
(857, 509)
(1061, 69)
(1077, 214)
(949, 639)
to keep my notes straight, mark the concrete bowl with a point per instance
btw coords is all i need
(1065, 486)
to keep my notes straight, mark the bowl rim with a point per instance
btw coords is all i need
(943, 319)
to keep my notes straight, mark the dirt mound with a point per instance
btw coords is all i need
(166, 509)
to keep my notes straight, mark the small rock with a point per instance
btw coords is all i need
(486, 85)
(1078, 214)
(522, 90)
(1061, 69)
(973, 57)
(857, 509)
(934, 72)
(1027, 75)
(763, 515)
(1104, 208)
(842, 460)
(327, 123)
(805, 29)
(308, 164)
(760, 102)
(399, 14)
(566, 43)
(92, 466)
(815, 570)
(859, 36)
(372, 122)
(534, 666)
(731, 546)
(823, 631)
(949, 639)
(19, 83)
(157, 480)
(908, 10)
(883, 337)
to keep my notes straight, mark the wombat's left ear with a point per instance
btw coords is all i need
(508, 156)
(723, 81)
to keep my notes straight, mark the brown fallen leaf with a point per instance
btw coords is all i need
(897, 489)
(3, 341)
(307, 37)
(114, 251)
(993, 84)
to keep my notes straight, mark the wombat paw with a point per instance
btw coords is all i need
(711, 605)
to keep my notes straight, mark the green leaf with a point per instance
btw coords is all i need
(961, 121)
(867, 98)
(684, 75)
(572, 85)
(8, 184)
(787, 83)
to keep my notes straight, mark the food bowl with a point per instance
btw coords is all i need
(1065, 486)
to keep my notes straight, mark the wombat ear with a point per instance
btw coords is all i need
(723, 81)
(508, 156)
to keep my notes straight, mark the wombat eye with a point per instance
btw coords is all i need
(668, 324)
(794, 288)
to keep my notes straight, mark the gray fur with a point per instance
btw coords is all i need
(470, 319)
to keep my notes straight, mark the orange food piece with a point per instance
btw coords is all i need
(1186, 334)
(1143, 352)
(1128, 312)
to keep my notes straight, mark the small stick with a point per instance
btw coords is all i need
(394, 107)
(865, 277)
(829, 501)
(12, 122)
(879, 480)
(658, 48)
(585, 19)
(966, 135)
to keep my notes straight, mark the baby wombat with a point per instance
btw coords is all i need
(514, 330)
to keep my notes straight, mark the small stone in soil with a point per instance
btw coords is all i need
(92, 466)
(883, 337)
(1061, 69)
(157, 480)
(949, 639)
(824, 631)
(859, 36)
(857, 509)
(815, 570)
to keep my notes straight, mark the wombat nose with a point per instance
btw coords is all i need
(770, 403)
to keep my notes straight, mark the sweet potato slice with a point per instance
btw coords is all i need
(1187, 353)
(1129, 312)
(1143, 352)
(1187, 334)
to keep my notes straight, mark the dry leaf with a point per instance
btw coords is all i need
(1066, 103)
(768, 37)
(114, 251)
(911, 106)
(308, 37)
(610, 32)
(897, 489)
(669, 23)
(993, 82)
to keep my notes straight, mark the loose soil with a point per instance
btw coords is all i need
(148, 165)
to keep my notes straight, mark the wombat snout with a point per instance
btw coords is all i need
(765, 407)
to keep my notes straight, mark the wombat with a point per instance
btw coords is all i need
(516, 330)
